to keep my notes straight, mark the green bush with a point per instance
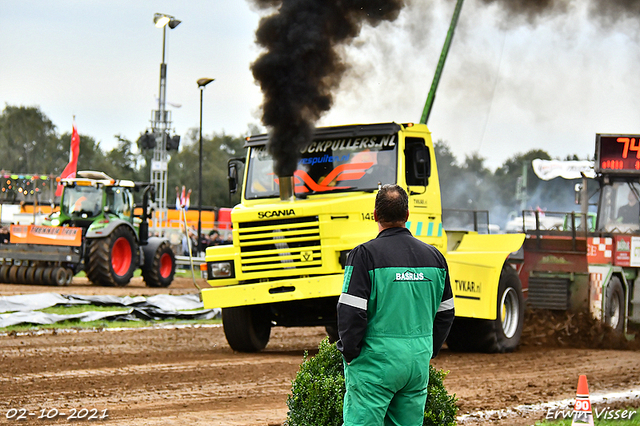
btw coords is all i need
(317, 393)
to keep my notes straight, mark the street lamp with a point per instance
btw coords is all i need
(160, 123)
(201, 84)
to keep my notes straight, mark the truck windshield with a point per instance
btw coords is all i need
(332, 165)
(620, 207)
(82, 201)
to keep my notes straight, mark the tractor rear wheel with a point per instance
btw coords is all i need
(112, 260)
(247, 328)
(499, 335)
(162, 269)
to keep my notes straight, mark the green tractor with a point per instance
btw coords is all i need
(115, 242)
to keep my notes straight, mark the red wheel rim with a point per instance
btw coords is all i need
(121, 256)
(166, 265)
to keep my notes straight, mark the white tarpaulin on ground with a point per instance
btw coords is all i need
(34, 302)
(550, 169)
(24, 309)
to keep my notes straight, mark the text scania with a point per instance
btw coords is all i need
(275, 213)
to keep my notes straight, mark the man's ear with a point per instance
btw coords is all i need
(375, 215)
(407, 218)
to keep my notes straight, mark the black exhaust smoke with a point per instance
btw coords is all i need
(605, 11)
(302, 65)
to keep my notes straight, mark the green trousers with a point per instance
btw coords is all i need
(387, 387)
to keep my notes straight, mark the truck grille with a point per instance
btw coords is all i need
(280, 245)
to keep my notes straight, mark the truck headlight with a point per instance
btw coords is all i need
(220, 270)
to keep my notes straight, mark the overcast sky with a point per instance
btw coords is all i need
(508, 86)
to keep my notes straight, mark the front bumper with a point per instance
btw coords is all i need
(273, 291)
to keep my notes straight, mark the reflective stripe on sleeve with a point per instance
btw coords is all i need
(355, 301)
(445, 305)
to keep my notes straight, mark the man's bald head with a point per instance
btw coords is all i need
(392, 206)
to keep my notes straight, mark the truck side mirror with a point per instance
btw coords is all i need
(232, 176)
(422, 164)
(233, 167)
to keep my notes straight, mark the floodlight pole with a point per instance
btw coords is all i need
(160, 122)
(201, 84)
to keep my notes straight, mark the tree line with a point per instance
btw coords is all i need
(32, 145)
(471, 185)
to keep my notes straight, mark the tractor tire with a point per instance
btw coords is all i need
(162, 269)
(499, 335)
(614, 309)
(247, 328)
(112, 260)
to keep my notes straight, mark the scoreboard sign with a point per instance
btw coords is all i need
(618, 153)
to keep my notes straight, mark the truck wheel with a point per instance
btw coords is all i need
(162, 269)
(112, 260)
(247, 328)
(614, 311)
(499, 335)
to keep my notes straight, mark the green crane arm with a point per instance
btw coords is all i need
(443, 56)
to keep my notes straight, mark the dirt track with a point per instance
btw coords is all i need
(191, 376)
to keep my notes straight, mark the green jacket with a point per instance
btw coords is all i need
(395, 287)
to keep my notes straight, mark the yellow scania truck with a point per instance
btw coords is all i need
(292, 235)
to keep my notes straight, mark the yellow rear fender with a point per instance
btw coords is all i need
(475, 266)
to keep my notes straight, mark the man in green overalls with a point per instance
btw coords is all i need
(394, 314)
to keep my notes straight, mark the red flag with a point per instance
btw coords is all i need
(72, 167)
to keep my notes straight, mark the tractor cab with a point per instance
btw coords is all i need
(619, 206)
(94, 197)
(82, 202)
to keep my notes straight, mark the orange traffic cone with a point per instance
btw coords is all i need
(582, 414)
